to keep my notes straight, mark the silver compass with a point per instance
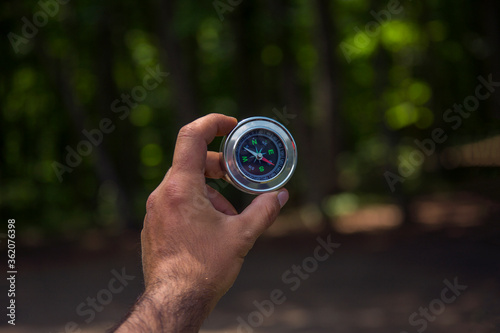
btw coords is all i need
(259, 155)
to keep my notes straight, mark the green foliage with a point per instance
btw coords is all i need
(394, 85)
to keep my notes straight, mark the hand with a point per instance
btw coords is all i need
(193, 240)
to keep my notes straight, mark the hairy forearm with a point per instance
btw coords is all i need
(174, 310)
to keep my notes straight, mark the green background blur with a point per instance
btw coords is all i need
(391, 165)
(356, 82)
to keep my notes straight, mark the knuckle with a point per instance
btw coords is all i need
(213, 115)
(175, 193)
(247, 236)
(188, 130)
(171, 193)
(245, 242)
(151, 202)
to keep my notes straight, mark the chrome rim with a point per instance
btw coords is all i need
(233, 172)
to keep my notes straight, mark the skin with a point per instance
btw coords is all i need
(193, 240)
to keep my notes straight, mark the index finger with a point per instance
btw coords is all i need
(191, 148)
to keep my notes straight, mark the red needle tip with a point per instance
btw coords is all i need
(267, 161)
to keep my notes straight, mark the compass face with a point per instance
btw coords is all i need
(260, 154)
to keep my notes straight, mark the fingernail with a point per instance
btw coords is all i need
(283, 197)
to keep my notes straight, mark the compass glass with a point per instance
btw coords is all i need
(260, 154)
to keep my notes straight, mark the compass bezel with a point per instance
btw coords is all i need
(237, 177)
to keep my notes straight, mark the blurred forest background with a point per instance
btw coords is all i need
(394, 105)
(356, 81)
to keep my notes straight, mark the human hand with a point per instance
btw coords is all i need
(193, 239)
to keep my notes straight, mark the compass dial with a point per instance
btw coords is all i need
(260, 154)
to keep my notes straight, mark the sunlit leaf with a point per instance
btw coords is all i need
(399, 34)
(141, 115)
(401, 116)
(151, 154)
(419, 93)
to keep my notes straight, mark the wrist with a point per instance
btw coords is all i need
(179, 294)
(170, 307)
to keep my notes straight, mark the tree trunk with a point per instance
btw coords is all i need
(175, 62)
(325, 138)
(244, 62)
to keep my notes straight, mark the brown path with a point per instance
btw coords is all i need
(371, 283)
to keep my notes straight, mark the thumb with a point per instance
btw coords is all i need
(262, 212)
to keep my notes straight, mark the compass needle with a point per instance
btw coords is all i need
(267, 161)
(251, 152)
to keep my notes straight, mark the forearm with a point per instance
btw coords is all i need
(175, 310)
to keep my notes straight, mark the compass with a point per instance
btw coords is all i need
(259, 155)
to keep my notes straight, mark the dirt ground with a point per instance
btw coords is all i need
(392, 281)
